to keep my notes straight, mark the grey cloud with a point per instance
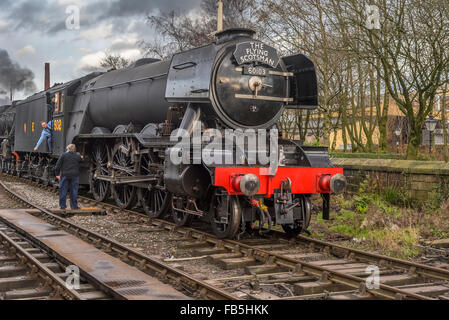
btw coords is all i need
(45, 16)
(31, 15)
(4, 101)
(5, 4)
(60, 26)
(49, 16)
(85, 21)
(12, 75)
(123, 8)
(120, 46)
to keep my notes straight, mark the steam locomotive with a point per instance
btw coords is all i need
(148, 134)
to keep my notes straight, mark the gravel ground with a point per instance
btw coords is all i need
(6, 202)
(128, 230)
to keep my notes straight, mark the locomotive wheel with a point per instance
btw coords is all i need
(99, 166)
(34, 169)
(18, 171)
(8, 167)
(155, 200)
(28, 169)
(125, 196)
(52, 180)
(226, 216)
(294, 229)
(181, 218)
(41, 177)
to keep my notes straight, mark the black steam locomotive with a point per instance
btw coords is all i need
(132, 125)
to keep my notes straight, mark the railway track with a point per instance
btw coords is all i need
(28, 272)
(128, 255)
(275, 267)
(434, 256)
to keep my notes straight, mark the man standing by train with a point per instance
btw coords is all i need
(67, 171)
(47, 131)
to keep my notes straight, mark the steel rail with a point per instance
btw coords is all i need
(418, 268)
(384, 291)
(49, 277)
(131, 256)
(354, 282)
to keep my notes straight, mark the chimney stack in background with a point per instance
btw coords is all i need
(47, 76)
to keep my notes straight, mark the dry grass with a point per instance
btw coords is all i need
(371, 222)
(435, 223)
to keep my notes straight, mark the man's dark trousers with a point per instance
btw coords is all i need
(49, 140)
(68, 184)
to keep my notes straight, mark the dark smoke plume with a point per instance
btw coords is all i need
(15, 77)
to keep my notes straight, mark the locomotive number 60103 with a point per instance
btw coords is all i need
(255, 71)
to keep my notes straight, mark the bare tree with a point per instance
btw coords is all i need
(301, 26)
(443, 103)
(359, 67)
(115, 61)
(179, 32)
(411, 46)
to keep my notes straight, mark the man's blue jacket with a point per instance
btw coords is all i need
(46, 133)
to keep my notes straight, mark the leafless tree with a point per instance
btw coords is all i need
(359, 67)
(179, 32)
(409, 51)
(301, 26)
(115, 61)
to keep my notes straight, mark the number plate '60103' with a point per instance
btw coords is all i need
(255, 71)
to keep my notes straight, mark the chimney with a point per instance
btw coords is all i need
(47, 76)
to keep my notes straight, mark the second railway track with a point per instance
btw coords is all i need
(28, 272)
(268, 268)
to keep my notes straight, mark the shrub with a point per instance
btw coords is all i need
(393, 196)
(362, 203)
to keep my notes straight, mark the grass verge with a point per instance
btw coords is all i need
(381, 221)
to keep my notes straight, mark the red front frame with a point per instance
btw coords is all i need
(304, 180)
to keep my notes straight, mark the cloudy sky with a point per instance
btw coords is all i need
(33, 32)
